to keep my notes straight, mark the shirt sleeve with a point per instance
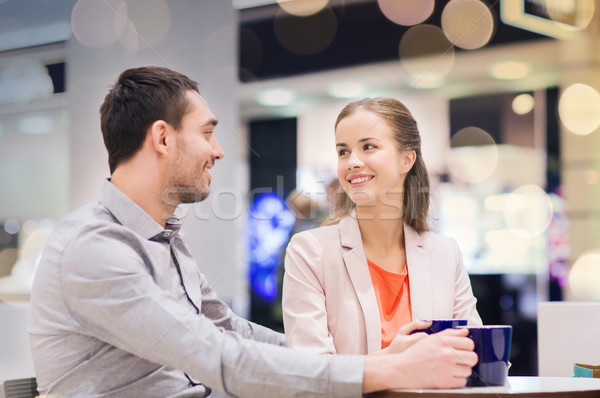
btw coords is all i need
(224, 317)
(464, 300)
(112, 296)
(303, 297)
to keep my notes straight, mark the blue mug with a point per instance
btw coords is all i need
(492, 346)
(437, 325)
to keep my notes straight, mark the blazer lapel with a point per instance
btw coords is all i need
(356, 264)
(419, 274)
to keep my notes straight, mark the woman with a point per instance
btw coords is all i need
(349, 287)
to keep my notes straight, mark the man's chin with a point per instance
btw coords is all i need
(196, 197)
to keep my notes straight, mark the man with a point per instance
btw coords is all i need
(120, 309)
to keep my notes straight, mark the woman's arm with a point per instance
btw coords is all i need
(303, 301)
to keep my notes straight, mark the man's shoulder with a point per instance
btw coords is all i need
(82, 228)
(86, 219)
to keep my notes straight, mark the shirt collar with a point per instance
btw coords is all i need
(132, 216)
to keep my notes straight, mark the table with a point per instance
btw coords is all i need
(517, 386)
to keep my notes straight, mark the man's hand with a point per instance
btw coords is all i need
(440, 360)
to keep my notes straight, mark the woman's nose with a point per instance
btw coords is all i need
(354, 161)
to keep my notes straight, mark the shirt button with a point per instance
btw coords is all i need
(167, 234)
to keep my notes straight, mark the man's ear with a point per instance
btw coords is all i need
(408, 160)
(158, 134)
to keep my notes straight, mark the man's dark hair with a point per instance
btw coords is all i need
(140, 97)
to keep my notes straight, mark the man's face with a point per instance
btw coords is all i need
(196, 151)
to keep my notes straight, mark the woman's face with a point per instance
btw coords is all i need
(371, 168)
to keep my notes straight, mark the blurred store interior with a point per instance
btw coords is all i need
(506, 95)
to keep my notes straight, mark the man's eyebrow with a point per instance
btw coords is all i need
(211, 122)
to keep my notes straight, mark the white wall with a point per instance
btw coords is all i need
(199, 41)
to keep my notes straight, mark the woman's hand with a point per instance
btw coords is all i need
(405, 339)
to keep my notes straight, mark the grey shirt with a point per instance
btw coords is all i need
(120, 309)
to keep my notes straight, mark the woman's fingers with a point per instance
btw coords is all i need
(414, 325)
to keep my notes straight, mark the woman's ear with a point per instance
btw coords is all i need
(159, 131)
(408, 160)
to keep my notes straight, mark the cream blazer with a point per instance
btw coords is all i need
(329, 305)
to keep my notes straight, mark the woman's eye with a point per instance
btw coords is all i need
(343, 152)
(369, 146)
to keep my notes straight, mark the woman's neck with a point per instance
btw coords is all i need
(382, 229)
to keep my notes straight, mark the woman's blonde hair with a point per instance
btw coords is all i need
(406, 134)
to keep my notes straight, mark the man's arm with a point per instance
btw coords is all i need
(224, 317)
(441, 360)
(116, 300)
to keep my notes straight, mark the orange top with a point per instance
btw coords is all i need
(393, 298)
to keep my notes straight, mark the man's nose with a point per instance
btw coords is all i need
(217, 151)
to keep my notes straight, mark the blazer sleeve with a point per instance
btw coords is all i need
(464, 300)
(303, 296)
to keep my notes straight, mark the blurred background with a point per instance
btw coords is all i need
(505, 94)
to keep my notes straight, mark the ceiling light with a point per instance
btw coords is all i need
(347, 89)
(523, 104)
(35, 124)
(275, 97)
(579, 108)
(509, 70)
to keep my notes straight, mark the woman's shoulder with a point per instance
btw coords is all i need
(320, 234)
(436, 241)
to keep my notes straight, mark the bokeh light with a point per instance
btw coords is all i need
(426, 55)
(509, 70)
(29, 226)
(584, 277)
(523, 104)
(302, 8)
(472, 156)
(528, 211)
(469, 24)
(406, 12)
(152, 19)
(130, 37)
(98, 23)
(579, 109)
(305, 35)
(46, 224)
(12, 226)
